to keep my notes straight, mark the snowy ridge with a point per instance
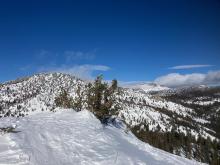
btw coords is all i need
(68, 137)
(37, 93)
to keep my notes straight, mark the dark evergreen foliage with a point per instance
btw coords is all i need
(78, 101)
(99, 98)
(63, 100)
(201, 149)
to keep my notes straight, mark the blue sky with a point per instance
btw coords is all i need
(139, 40)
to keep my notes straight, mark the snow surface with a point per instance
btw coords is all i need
(68, 137)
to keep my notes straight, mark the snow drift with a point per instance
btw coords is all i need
(68, 137)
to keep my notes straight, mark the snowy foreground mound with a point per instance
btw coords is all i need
(67, 137)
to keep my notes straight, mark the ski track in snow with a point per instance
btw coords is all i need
(68, 137)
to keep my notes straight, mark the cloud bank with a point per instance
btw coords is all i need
(190, 66)
(180, 80)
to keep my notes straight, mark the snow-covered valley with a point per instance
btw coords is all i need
(68, 137)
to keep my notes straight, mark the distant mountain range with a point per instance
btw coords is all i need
(146, 87)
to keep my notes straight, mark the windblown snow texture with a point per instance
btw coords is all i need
(69, 137)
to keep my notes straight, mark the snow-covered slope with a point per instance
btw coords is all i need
(37, 93)
(68, 137)
(189, 112)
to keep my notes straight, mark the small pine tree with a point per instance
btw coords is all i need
(100, 98)
(78, 101)
(63, 100)
(114, 85)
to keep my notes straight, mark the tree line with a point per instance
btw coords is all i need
(200, 149)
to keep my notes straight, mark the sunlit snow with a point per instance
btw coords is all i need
(68, 137)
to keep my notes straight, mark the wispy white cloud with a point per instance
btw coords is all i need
(67, 56)
(42, 54)
(190, 66)
(82, 71)
(25, 68)
(78, 55)
(179, 80)
(65, 62)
